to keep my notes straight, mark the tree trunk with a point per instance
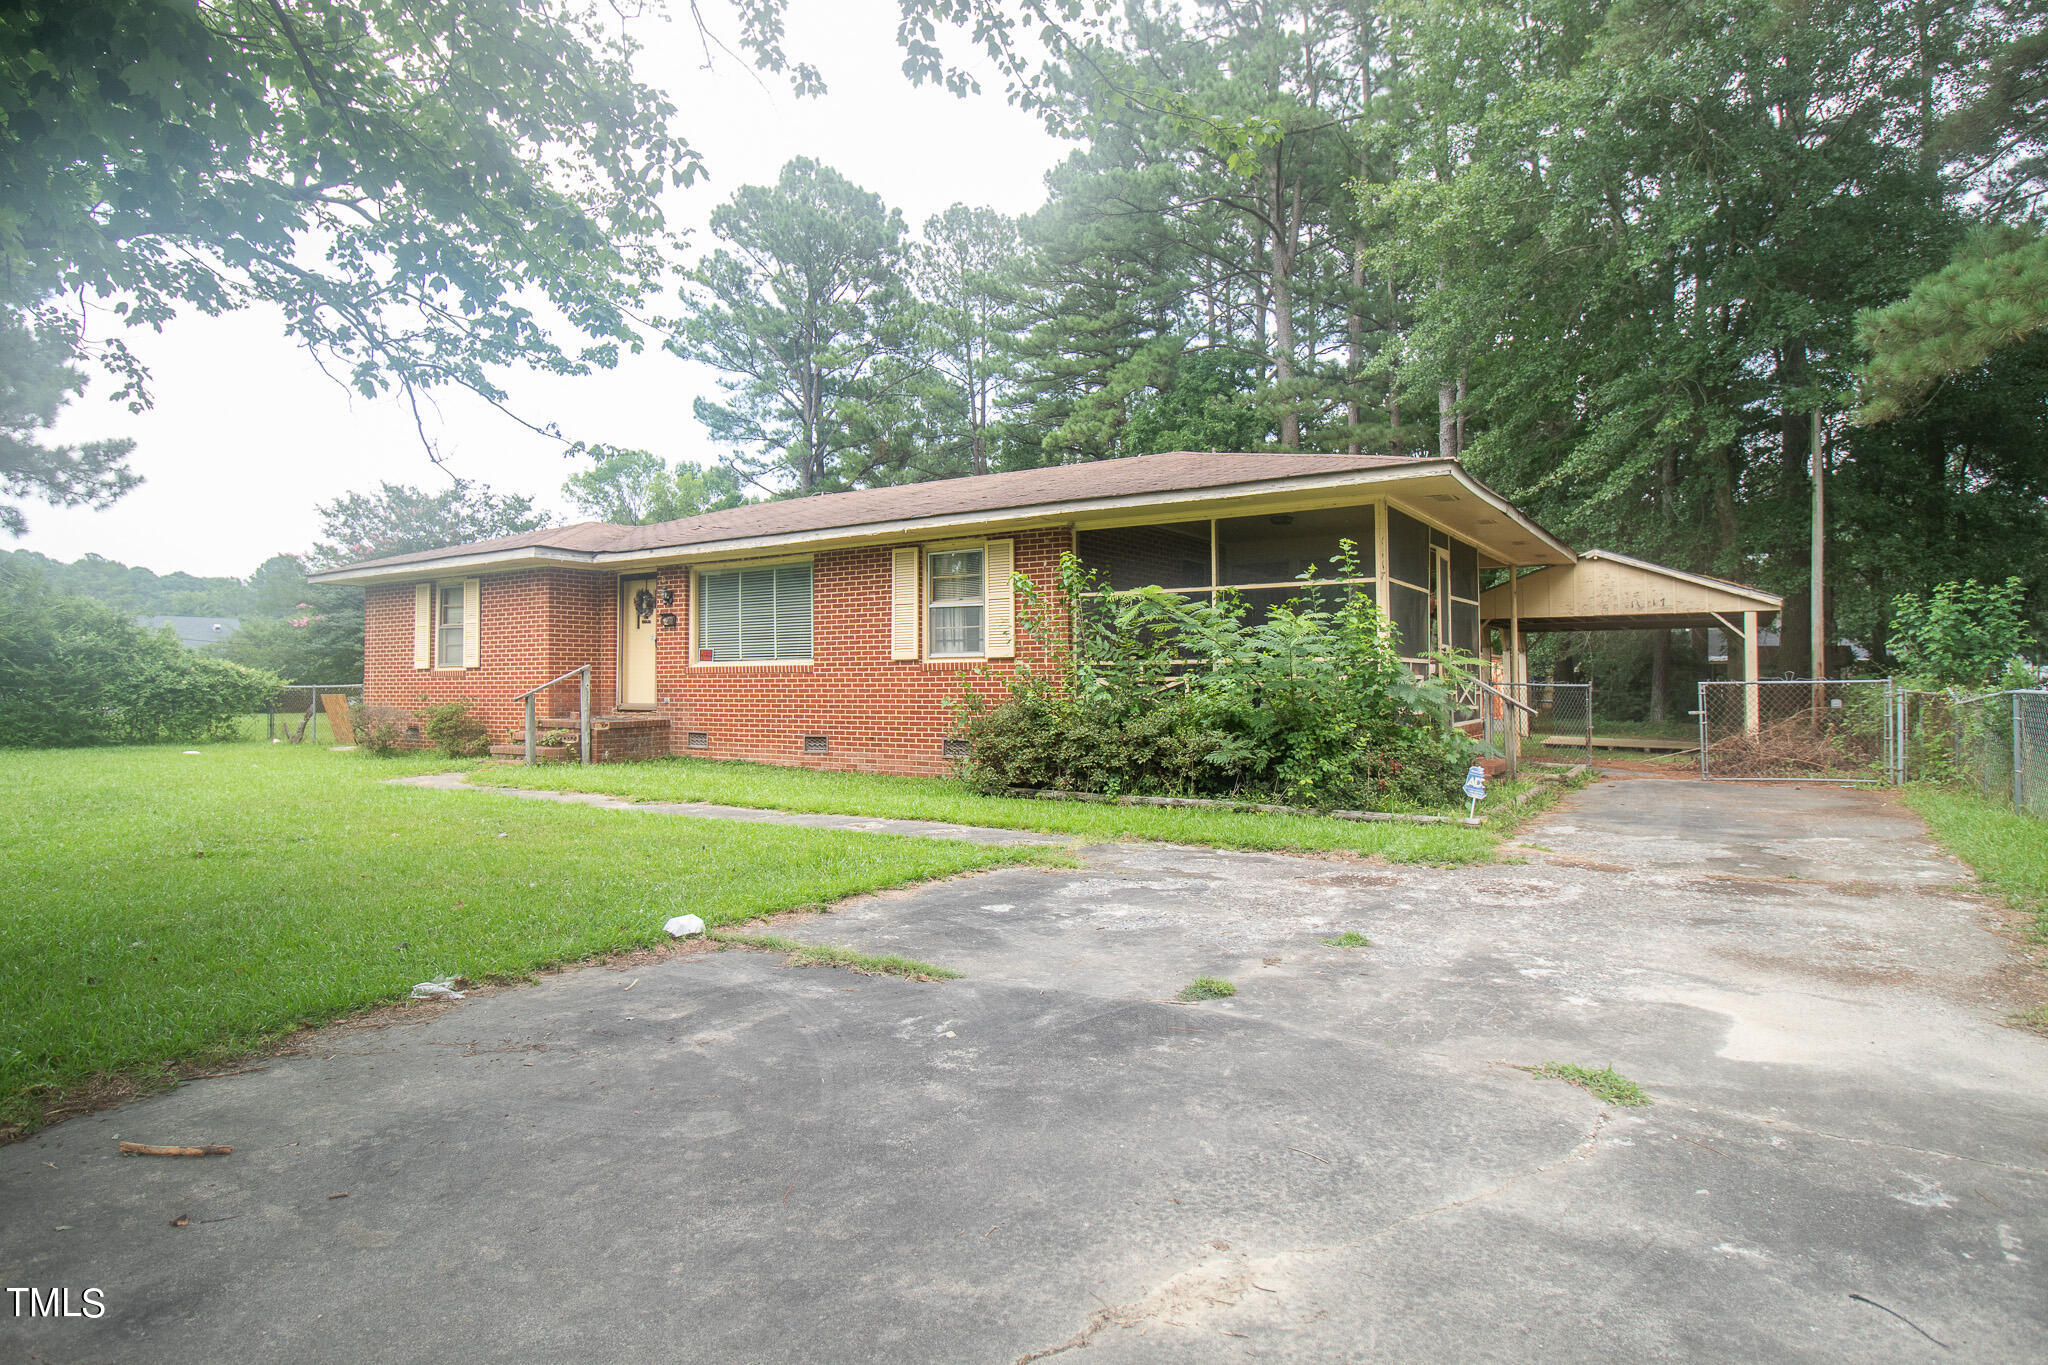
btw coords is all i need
(1355, 327)
(1795, 640)
(1447, 420)
(1461, 410)
(1795, 481)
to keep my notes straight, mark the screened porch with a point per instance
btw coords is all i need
(1424, 576)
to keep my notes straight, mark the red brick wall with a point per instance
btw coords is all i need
(535, 623)
(878, 715)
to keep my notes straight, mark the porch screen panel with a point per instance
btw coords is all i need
(1407, 548)
(1464, 570)
(1171, 556)
(1410, 613)
(1464, 624)
(1280, 547)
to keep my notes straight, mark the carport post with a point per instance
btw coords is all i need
(1752, 670)
(1517, 672)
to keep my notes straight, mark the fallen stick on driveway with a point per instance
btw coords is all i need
(148, 1149)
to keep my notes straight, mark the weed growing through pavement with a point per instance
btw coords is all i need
(1206, 988)
(829, 955)
(1607, 1083)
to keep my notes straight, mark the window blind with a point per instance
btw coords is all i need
(754, 614)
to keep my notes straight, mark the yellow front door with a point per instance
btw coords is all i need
(638, 613)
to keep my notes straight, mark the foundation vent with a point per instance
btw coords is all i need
(955, 748)
(698, 740)
(816, 744)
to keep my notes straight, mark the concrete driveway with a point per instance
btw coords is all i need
(721, 1158)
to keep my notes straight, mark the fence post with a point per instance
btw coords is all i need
(1512, 720)
(1703, 729)
(1589, 719)
(583, 702)
(2016, 754)
(530, 728)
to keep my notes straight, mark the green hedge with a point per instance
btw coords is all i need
(74, 672)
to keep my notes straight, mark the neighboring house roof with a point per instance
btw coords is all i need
(194, 632)
(1103, 490)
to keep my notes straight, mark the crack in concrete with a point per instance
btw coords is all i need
(765, 815)
(1780, 1125)
(1186, 1294)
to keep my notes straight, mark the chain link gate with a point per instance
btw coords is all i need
(1840, 730)
(1559, 722)
(297, 714)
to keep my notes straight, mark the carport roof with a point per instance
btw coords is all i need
(1609, 591)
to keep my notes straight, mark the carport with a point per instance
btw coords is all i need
(1603, 590)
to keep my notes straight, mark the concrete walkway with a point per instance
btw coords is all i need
(706, 810)
(724, 1158)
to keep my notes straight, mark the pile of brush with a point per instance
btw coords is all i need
(1793, 747)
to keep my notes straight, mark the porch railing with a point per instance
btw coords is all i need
(1507, 725)
(582, 712)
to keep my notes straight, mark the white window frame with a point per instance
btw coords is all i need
(932, 604)
(696, 608)
(443, 587)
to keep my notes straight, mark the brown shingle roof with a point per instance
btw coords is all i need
(1174, 471)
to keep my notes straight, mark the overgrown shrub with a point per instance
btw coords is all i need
(1966, 634)
(379, 730)
(1159, 694)
(456, 730)
(75, 672)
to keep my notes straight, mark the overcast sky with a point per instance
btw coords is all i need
(247, 435)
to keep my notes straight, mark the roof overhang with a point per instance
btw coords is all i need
(1441, 489)
(1609, 591)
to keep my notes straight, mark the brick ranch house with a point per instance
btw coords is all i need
(835, 631)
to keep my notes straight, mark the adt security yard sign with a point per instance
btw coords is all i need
(1475, 787)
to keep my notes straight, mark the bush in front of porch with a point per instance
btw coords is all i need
(1159, 693)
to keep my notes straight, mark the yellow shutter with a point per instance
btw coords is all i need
(999, 564)
(423, 625)
(472, 626)
(903, 603)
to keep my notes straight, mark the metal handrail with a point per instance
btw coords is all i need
(1514, 727)
(1485, 686)
(582, 711)
(584, 668)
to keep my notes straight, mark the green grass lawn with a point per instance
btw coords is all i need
(161, 908)
(2008, 851)
(734, 783)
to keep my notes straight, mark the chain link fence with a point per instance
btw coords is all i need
(299, 715)
(1797, 730)
(1995, 744)
(1559, 721)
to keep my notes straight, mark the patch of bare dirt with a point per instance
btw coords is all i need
(1354, 880)
(1586, 864)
